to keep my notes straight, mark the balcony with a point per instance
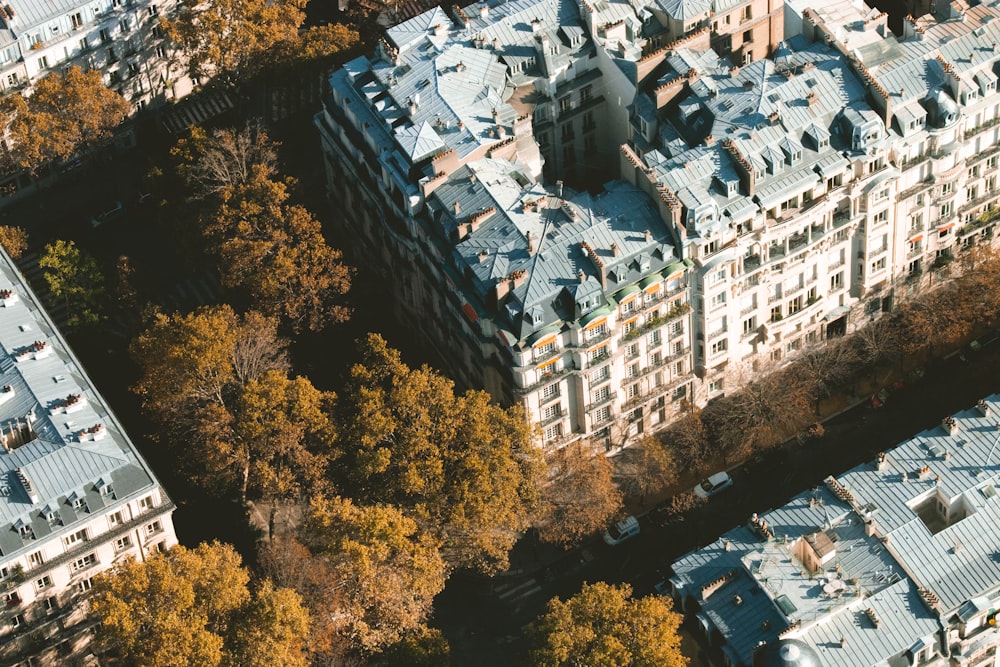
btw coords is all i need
(776, 251)
(797, 241)
(751, 263)
(543, 380)
(601, 402)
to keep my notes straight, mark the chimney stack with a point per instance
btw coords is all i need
(484, 11)
(531, 243)
(649, 236)
(582, 275)
(458, 209)
(614, 249)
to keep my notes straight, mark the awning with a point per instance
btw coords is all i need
(470, 312)
(837, 312)
(603, 345)
(650, 281)
(590, 320)
(545, 332)
(944, 228)
(629, 321)
(916, 238)
(551, 338)
(546, 364)
(622, 295)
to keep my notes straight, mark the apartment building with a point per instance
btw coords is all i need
(122, 38)
(892, 563)
(800, 195)
(75, 495)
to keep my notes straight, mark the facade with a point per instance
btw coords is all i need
(794, 197)
(122, 38)
(892, 563)
(75, 495)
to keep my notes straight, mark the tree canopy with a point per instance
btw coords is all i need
(389, 570)
(14, 240)
(65, 115)
(72, 275)
(233, 37)
(466, 469)
(580, 496)
(193, 607)
(602, 626)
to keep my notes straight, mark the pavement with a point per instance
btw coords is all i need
(485, 619)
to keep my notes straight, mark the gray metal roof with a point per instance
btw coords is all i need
(77, 447)
(30, 14)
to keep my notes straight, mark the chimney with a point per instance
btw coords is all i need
(458, 209)
(496, 43)
(614, 249)
(531, 243)
(559, 186)
(412, 106)
(649, 236)
(439, 29)
(484, 11)
(582, 275)
(536, 25)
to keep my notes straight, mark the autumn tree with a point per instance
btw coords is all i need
(232, 38)
(426, 647)
(14, 241)
(65, 115)
(579, 496)
(211, 163)
(877, 344)
(73, 276)
(688, 438)
(464, 468)
(276, 252)
(826, 367)
(646, 467)
(604, 625)
(193, 607)
(312, 51)
(769, 406)
(290, 564)
(271, 442)
(388, 569)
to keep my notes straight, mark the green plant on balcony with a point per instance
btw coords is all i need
(811, 300)
(776, 317)
(632, 333)
(677, 310)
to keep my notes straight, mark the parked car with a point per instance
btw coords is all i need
(621, 531)
(720, 481)
(112, 211)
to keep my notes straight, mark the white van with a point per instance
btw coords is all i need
(621, 531)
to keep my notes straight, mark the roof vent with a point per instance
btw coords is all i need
(26, 483)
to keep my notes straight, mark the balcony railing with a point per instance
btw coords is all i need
(543, 380)
(600, 403)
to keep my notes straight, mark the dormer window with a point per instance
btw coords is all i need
(80, 505)
(26, 532)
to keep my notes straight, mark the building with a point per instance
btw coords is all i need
(795, 197)
(75, 495)
(892, 563)
(122, 38)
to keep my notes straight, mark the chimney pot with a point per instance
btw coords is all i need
(458, 208)
(614, 249)
(582, 275)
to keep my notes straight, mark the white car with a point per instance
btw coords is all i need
(621, 531)
(713, 485)
(110, 213)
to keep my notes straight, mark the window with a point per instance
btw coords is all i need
(4, 572)
(154, 528)
(632, 370)
(12, 79)
(543, 137)
(545, 350)
(565, 104)
(945, 209)
(146, 503)
(654, 338)
(588, 121)
(629, 327)
(917, 222)
(602, 415)
(27, 533)
(51, 604)
(43, 62)
(598, 354)
(628, 306)
(944, 232)
(837, 281)
(80, 505)
(105, 36)
(17, 621)
(632, 391)
(123, 543)
(718, 299)
(775, 313)
(676, 328)
(749, 325)
(878, 264)
(947, 188)
(35, 559)
(153, 10)
(83, 563)
(550, 391)
(602, 394)
(747, 37)
(632, 351)
(589, 144)
(720, 346)
(795, 305)
(76, 20)
(116, 519)
(85, 585)
(600, 375)
(880, 217)
(553, 432)
(124, 26)
(78, 536)
(43, 582)
(586, 93)
(715, 385)
(597, 332)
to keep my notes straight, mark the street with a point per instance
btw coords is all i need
(484, 619)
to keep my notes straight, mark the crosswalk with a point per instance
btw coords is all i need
(195, 110)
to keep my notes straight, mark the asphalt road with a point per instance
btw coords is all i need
(484, 619)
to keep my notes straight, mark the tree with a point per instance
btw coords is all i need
(72, 274)
(270, 630)
(191, 607)
(827, 367)
(602, 626)
(426, 647)
(389, 570)
(688, 437)
(464, 468)
(277, 253)
(647, 467)
(232, 37)
(272, 442)
(877, 344)
(65, 115)
(290, 564)
(211, 164)
(313, 51)
(579, 498)
(188, 361)
(14, 240)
